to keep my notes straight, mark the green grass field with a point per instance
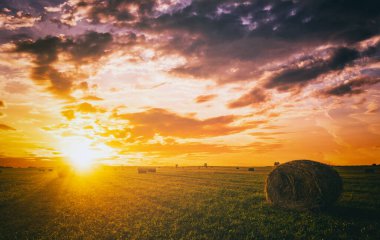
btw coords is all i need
(183, 203)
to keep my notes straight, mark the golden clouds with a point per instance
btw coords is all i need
(165, 123)
(6, 127)
(205, 98)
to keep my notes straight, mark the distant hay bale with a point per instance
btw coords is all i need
(251, 169)
(237, 168)
(374, 164)
(303, 185)
(146, 170)
(64, 171)
(369, 170)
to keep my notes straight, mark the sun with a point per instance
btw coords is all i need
(80, 154)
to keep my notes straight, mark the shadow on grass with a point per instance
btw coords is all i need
(354, 213)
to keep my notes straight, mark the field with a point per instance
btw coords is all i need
(182, 203)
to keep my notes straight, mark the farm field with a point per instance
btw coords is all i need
(176, 203)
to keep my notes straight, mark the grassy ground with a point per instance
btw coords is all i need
(183, 203)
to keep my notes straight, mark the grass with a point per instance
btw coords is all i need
(182, 203)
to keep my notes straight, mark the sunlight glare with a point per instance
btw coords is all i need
(80, 153)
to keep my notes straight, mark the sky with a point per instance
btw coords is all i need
(164, 82)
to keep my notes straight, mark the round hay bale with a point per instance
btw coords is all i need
(303, 185)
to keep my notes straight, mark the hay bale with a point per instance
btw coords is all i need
(251, 169)
(303, 185)
(146, 170)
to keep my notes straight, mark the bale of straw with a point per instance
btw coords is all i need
(303, 185)
(251, 169)
(151, 169)
(141, 170)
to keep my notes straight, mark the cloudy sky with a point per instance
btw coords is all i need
(180, 81)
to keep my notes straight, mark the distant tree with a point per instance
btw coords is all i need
(276, 163)
(205, 165)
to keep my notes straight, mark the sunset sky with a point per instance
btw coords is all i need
(164, 82)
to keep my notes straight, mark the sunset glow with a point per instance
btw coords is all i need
(188, 82)
(79, 154)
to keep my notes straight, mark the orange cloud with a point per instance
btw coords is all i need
(87, 108)
(84, 108)
(92, 98)
(68, 114)
(205, 98)
(6, 127)
(166, 123)
(254, 98)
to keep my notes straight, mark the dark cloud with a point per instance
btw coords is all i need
(253, 98)
(288, 20)
(299, 76)
(351, 87)
(88, 47)
(229, 41)
(226, 20)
